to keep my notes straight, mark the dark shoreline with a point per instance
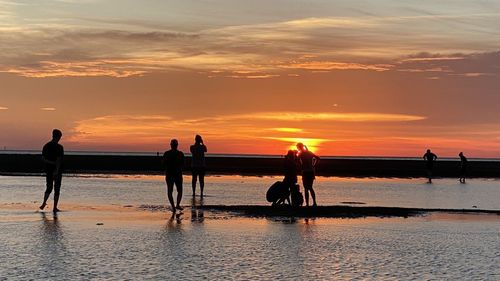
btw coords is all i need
(336, 211)
(26, 163)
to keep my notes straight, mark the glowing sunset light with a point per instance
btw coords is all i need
(313, 144)
(347, 117)
(288, 130)
(48, 108)
(3, 108)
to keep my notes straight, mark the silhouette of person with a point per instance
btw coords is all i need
(290, 168)
(173, 161)
(463, 167)
(429, 158)
(52, 155)
(308, 161)
(198, 165)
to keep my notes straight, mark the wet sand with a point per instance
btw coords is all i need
(145, 242)
(153, 214)
(338, 211)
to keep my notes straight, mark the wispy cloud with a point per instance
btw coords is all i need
(121, 48)
(3, 108)
(326, 116)
(331, 65)
(48, 108)
(287, 130)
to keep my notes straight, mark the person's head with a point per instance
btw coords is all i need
(198, 139)
(56, 135)
(174, 144)
(300, 146)
(290, 154)
(428, 151)
(461, 154)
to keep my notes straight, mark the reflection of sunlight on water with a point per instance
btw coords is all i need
(68, 247)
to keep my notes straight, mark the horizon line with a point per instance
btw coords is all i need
(153, 153)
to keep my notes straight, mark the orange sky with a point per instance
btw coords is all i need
(363, 78)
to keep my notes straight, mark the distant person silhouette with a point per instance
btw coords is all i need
(173, 161)
(308, 161)
(198, 165)
(52, 154)
(429, 158)
(463, 167)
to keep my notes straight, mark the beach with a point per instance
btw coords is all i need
(118, 227)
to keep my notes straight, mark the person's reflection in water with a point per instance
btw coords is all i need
(51, 227)
(174, 221)
(197, 214)
(52, 246)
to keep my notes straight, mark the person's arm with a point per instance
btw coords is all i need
(58, 162)
(163, 161)
(47, 161)
(204, 148)
(435, 157)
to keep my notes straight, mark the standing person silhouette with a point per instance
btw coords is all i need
(463, 167)
(308, 161)
(52, 155)
(429, 158)
(290, 169)
(174, 161)
(198, 165)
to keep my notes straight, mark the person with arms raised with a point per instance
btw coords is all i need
(308, 161)
(198, 166)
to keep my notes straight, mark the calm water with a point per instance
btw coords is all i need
(137, 190)
(251, 249)
(150, 246)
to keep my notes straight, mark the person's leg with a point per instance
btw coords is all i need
(178, 185)
(170, 190)
(194, 174)
(313, 194)
(57, 190)
(202, 181)
(306, 189)
(49, 179)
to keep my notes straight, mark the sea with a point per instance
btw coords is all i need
(116, 227)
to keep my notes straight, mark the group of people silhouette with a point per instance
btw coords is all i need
(430, 158)
(301, 160)
(173, 161)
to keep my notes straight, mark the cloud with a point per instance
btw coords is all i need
(464, 65)
(48, 108)
(3, 108)
(331, 65)
(121, 47)
(326, 116)
(287, 130)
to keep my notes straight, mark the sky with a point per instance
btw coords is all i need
(357, 78)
